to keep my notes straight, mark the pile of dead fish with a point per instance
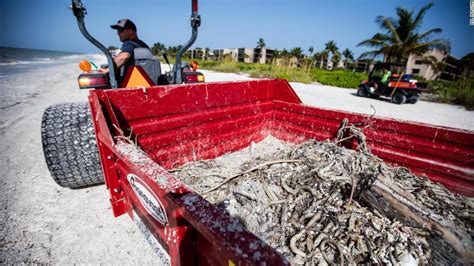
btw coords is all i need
(300, 201)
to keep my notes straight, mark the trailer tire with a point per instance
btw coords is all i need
(69, 145)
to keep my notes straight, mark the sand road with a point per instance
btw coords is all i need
(41, 222)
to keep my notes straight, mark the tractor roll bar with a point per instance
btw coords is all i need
(195, 23)
(79, 12)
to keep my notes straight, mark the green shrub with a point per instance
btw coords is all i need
(459, 92)
(283, 76)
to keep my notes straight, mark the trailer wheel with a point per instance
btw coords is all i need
(69, 145)
(399, 98)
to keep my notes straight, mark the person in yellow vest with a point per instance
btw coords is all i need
(383, 82)
(386, 76)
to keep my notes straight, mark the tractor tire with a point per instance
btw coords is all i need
(399, 98)
(362, 92)
(69, 145)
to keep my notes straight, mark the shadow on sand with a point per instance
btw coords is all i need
(383, 99)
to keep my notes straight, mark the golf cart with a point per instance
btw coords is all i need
(399, 86)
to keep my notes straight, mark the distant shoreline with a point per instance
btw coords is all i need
(40, 50)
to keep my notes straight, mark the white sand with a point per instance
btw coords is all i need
(42, 222)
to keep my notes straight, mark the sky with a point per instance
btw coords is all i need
(50, 25)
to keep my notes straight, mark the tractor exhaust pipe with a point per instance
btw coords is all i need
(195, 23)
(79, 12)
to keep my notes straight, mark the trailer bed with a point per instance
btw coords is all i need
(177, 124)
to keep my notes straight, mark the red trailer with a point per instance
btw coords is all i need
(175, 124)
(180, 123)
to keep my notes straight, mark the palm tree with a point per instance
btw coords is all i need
(317, 57)
(311, 61)
(324, 56)
(331, 47)
(400, 37)
(435, 65)
(158, 48)
(467, 63)
(260, 43)
(284, 53)
(336, 57)
(348, 55)
(298, 53)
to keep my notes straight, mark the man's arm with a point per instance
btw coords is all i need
(121, 59)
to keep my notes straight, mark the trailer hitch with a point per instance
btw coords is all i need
(79, 12)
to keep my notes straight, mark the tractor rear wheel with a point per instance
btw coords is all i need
(399, 98)
(69, 145)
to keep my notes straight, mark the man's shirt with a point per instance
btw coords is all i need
(129, 46)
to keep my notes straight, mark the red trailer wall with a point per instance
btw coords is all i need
(175, 124)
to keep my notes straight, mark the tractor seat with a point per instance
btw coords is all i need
(145, 59)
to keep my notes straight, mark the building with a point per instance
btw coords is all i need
(327, 64)
(248, 55)
(449, 67)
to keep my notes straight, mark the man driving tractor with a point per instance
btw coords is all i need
(127, 32)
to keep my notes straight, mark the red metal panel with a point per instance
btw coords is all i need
(318, 112)
(107, 157)
(228, 243)
(313, 123)
(175, 232)
(202, 148)
(190, 217)
(178, 121)
(438, 150)
(298, 132)
(429, 132)
(180, 99)
(170, 137)
(449, 151)
(283, 91)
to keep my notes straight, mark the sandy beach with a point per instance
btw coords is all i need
(41, 222)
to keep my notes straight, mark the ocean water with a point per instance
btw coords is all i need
(24, 73)
(17, 61)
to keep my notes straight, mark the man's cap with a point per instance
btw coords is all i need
(124, 24)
